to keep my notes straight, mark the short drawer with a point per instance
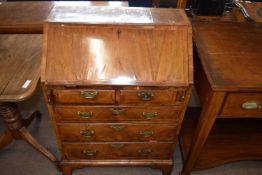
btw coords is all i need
(118, 150)
(243, 104)
(112, 113)
(159, 97)
(117, 132)
(85, 96)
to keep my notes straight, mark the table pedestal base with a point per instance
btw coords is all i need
(16, 129)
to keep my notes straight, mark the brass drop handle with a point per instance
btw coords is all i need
(89, 152)
(84, 115)
(146, 133)
(144, 151)
(87, 133)
(251, 105)
(117, 128)
(150, 115)
(146, 96)
(117, 146)
(89, 94)
(117, 111)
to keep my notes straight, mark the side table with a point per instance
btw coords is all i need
(228, 80)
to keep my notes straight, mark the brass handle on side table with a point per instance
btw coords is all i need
(89, 152)
(146, 96)
(117, 111)
(144, 151)
(89, 94)
(251, 105)
(146, 133)
(117, 127)
(87, 133)
(85, 114)
(150, 115)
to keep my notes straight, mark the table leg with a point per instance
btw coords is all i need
(5, 139)
(204, 126)
(16, 129)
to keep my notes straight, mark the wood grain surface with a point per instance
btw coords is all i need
(230, 54)
(103, 54)
(20, 57)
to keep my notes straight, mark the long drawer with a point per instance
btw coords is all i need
(117, 132)
(122, 150)
(114, 114)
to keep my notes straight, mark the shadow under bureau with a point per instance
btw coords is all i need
(117, 82)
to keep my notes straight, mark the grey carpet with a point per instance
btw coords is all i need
(19, 158)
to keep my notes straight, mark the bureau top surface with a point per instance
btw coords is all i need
(117, 15)
(230, 54)
(111, 51)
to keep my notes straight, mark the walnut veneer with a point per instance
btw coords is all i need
(117, 82)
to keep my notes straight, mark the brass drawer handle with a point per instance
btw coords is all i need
(144, 151)
(89, 94)
(146, 96)
(89, 152)
(251, 105)
(87, 133)
(117, 146)
(85, 114)
(117, 111)
(150, 115)
(117, 128)
(146, 133)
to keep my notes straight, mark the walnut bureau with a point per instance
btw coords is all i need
(228, 80)
(117, 82)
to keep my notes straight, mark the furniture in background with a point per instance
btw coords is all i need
(29, 17)
(19, 74)
(117, 85)
(228, 80)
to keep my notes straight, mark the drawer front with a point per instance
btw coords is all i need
(85, 96)
(117, 132)
(159, 97)
(118, 150)
(113, 114)
(243, 104)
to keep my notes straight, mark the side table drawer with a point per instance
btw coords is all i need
(243, 104)
(117, 132)
(118, 150)
(66, 113)
(85, 96)
(158, 97)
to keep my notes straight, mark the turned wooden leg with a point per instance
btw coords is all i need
(5, 139)
(66, 170)
(16, 129)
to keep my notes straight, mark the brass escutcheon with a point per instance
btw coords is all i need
(144, 151)
(146, 133)
(150, 115)
(117, 146)
(117, 127)
(117, 111)
(146, 96)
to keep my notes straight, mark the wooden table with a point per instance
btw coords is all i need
(19, 74)
(28, 17)
(228, 80)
